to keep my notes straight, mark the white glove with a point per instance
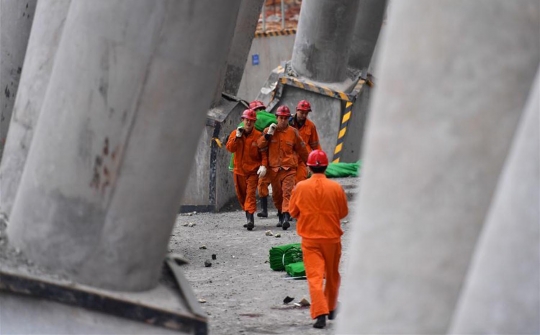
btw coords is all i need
(239, 131)
(262, 171)
(272, 129)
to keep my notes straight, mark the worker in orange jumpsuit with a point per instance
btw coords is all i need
(264, 119)
(282, 146)
(247, 164)
(307, 131)
(319, 204)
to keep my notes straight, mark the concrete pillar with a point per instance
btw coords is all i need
(501, 295)
(125, 106)
(366, 32)
(244, 32)
(323, 37)
(46, 32)
(15, 22)
(434, 152)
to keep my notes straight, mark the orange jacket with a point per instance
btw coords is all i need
(282, 149)
(309, 134)
(319, 204)
(247, 156)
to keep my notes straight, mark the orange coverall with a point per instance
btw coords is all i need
(309, 135)
(319, 204)
(280, 156)
(247, 159)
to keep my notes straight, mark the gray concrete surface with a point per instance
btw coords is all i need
(502, 292)
(116, 135)
(435, 148)
(272, 51)
(42, 45)
(15, 23)
(366, 32)
(242, 294)
(321, 47)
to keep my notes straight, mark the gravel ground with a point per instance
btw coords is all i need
(242, 294)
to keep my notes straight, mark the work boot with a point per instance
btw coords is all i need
(321, 322)
(280, 216)
(264, 204)
(251, 222)
(332, 314)
(285, 222)
(247, 218)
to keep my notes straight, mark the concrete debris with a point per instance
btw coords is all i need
(185, 224)
(345, 221)
(288, 299)
(268, 233)
(202, 301)
(202, 247)
(278, 235)
(304, 302)
(191, 224)
(214, 257)
(207, 263)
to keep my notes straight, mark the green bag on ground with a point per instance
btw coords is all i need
(281, 256)
(341, 170)
(296, 269)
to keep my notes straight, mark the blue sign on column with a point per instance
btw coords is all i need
(255, 59)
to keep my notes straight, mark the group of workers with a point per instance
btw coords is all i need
(282, 151)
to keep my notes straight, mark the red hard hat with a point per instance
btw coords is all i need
(303, 105)
(283, 111)
(256, 104)
(317, 158)
(249, 114)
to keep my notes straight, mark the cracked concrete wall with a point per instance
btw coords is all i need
(436, 143)
(115, 138)
(15, 22)
(47, 29)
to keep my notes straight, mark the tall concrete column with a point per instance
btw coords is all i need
(502, 291)
(244, 32)
(434, 153)
(46, 32)
(125, 106)
(15, 22)
(366, 32)
(323, 37)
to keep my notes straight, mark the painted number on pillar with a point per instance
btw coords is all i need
(255, 59)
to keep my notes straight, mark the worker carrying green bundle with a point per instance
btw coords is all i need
(264, 119)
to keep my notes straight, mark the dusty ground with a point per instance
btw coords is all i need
(243, 295)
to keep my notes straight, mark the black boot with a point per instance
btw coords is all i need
(264, 204)
(285, 222)
(332, 314)
(247, 218)
(280, 216)
(251, 222)
(321, 322)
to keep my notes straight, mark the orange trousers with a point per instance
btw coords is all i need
(245, 187)
(283, 182)
(262, 188)
(301, 172)
(322, 260)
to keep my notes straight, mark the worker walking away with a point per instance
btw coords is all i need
(264, 119)
(319, 204)
(247, 164)
(307, 131)
(282, 147)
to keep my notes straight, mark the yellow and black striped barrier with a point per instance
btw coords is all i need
(345, 117)
(282, 32)
(317, 89)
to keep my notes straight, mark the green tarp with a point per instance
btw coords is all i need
(296, 269)
(281, 256)
(342, 170)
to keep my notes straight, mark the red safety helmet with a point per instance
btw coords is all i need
(317, 158)
(255, 104)
(304, 106)
(283, 111)
(249, 114)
